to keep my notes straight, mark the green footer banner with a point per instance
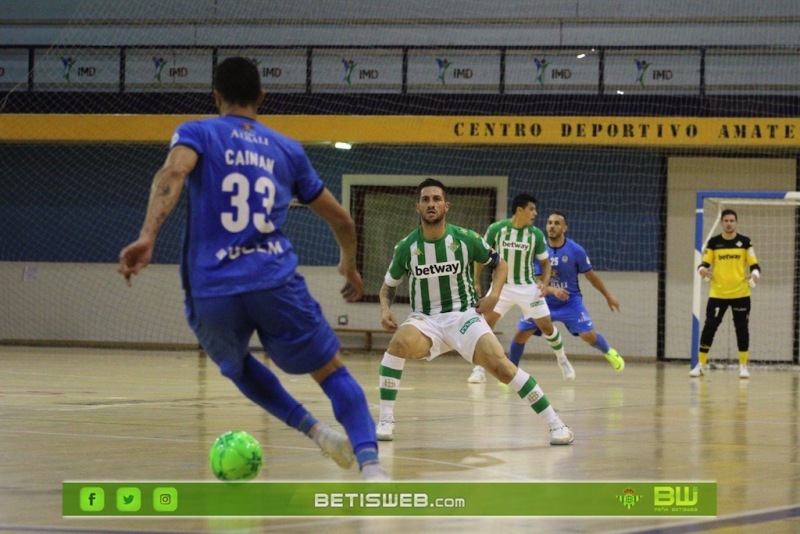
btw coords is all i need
(294, 499)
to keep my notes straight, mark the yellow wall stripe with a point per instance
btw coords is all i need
(411, 129)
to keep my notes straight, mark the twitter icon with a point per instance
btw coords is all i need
(129, 499)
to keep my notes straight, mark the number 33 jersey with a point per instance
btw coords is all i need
(239, 195)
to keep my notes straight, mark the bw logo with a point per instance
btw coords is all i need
(532, 397)
(389, 383)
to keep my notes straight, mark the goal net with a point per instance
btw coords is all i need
(770, 220)
(584, 111)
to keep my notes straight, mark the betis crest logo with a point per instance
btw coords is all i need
(628, 498)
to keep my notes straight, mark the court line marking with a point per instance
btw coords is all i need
(765, 515)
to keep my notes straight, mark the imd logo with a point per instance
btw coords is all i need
(349, 67)
(158, 66)
(642, 66)
(67, 63)
(541, 67)
(443, 65)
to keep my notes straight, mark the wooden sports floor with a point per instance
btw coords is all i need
(84, 414)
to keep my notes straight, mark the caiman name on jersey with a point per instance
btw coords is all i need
(437, 269)
(515, 245)
(248, 157)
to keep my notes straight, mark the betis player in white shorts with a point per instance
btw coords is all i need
(519, 242)
(446, 313)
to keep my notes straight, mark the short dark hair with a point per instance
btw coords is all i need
(728, 212)
(560, 214)
(238, 81)
(431, 182)
(522, 200)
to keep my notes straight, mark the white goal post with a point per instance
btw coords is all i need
(770, 218)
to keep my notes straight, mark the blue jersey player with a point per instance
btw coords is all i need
(239, 270)
(567, 260)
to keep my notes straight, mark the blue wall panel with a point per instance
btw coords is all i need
(82, 203)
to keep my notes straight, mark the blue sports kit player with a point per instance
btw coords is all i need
(567, 260)
(239, 270)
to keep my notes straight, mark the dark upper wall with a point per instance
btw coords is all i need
(366, 22)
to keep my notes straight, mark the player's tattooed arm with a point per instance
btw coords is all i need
(387, 294)
(163, 191)
(164, 194)
(166, 188)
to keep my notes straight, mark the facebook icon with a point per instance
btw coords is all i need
(92, 499)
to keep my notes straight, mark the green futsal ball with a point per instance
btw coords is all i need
(235, 455)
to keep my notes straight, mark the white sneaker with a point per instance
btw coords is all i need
(566, 369)
(385, 428)
(373, 473)
(478, 376)
(743, 372)
(697, 370)
(561, 435)
(336, 446)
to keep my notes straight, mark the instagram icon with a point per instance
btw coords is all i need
(165, 499)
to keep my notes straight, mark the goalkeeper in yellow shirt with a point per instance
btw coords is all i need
(725, 261)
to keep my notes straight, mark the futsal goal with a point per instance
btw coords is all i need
(770, 219)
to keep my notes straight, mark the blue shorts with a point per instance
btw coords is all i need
(573, 314)
(289, 323)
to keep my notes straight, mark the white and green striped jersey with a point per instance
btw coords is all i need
(439, 272)
(517, 246)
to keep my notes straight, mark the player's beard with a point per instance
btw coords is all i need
(432, 222)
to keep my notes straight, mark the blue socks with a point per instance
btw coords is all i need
(259, 384)
(515, 352)
(601, 344)
(515, 349)
(351, 410)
